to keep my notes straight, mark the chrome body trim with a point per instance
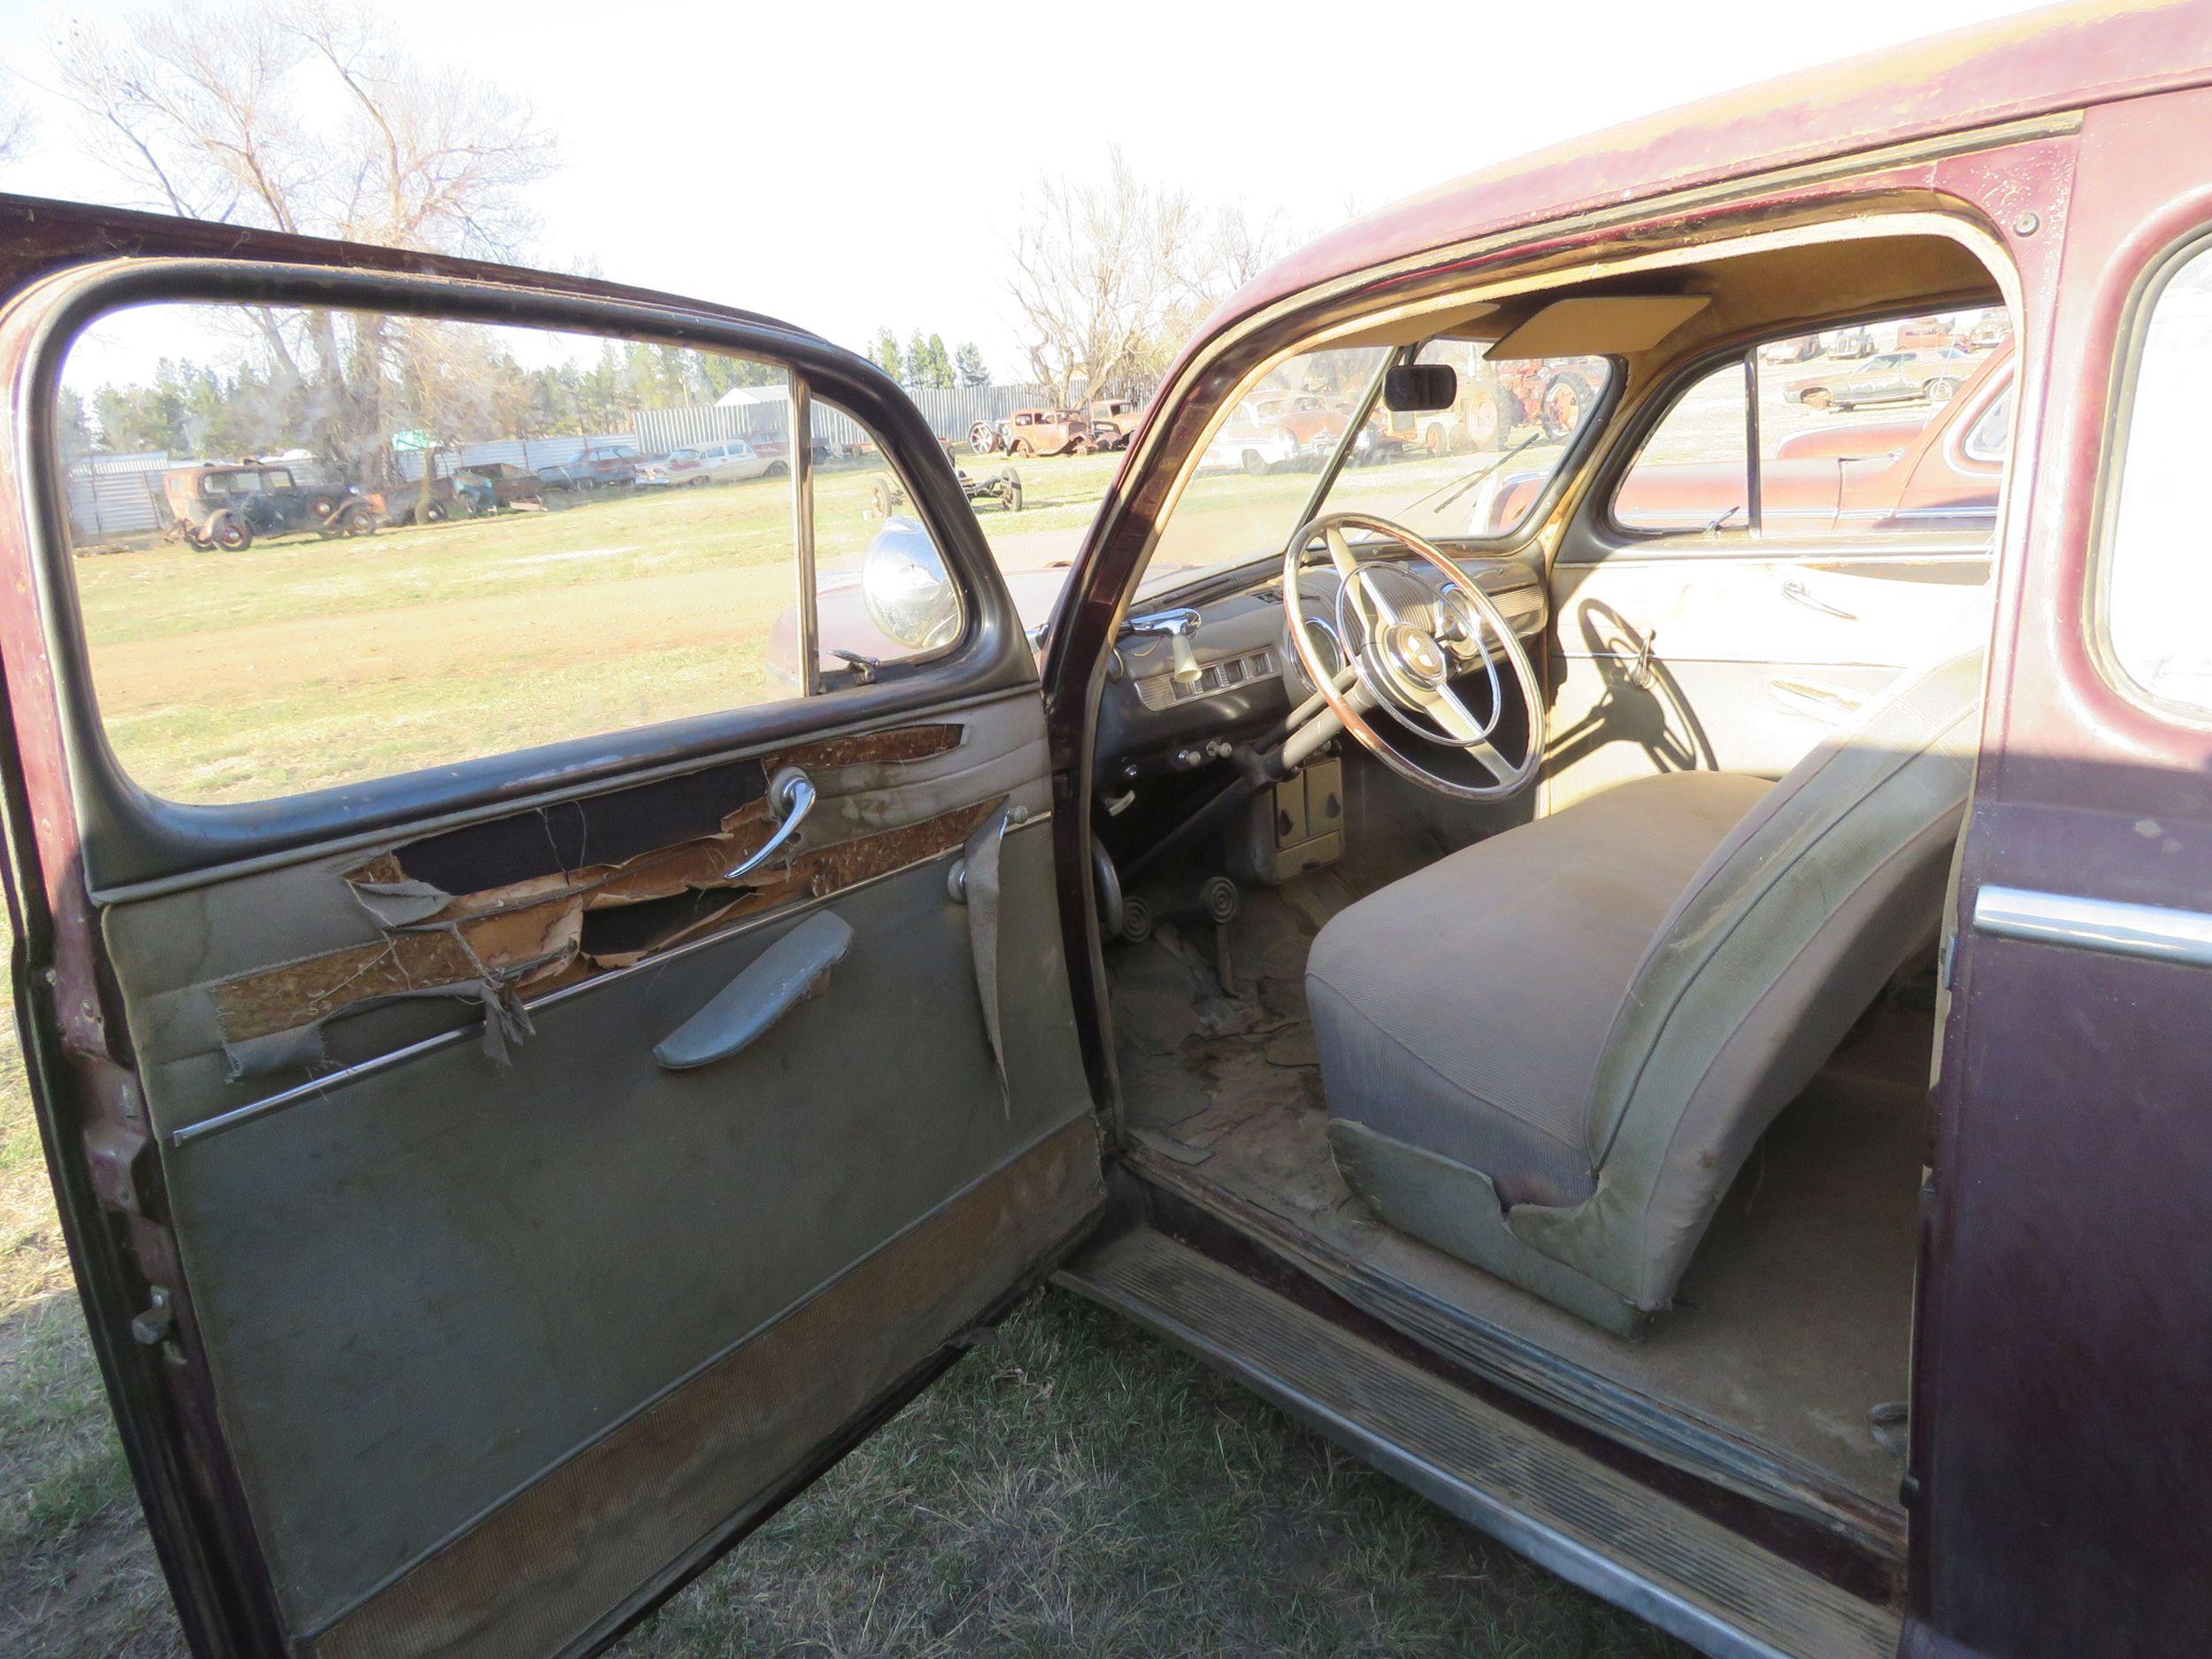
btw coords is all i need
(330, 1082)
(2156, 933)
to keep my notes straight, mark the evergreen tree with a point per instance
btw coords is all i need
(969, 365)
(885, 355)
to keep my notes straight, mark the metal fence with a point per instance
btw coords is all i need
(114, 495)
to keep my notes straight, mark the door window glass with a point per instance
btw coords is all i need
(2158, 584)
(479, 541)
(1693, 473)
(1851, 440)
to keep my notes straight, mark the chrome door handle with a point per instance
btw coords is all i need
(790, 798)
(1795, 589)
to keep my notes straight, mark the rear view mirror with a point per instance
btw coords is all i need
(1412, 388)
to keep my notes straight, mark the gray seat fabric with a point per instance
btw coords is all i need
(1549, 1053)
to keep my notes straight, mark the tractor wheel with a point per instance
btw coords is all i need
(1486, 423)
(229, 532)
(983, 438)
(1817, 398)
(356, 520)
(883, 496)
(1942, 390)
(1436, 441)
(1566, 399)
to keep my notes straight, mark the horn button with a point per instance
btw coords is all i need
(1411, 656)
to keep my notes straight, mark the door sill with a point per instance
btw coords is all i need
(1593, 1525)
(1708, 1449)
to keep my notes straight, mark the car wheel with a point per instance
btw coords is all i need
(1010, 492)
(1940, 390)
(432, 512)
(230, 532)
(1818, 397)
(699, 482)
(777, 469)
(883, 496)
(357, 520)
(1565, 402)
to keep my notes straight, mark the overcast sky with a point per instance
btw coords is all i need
(848, 166)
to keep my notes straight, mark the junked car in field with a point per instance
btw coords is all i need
(225, 506)
(723, 461)
(1896, 376)
(600, 466)
(1682, 1045)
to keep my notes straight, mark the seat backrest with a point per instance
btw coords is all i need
(1828, 887)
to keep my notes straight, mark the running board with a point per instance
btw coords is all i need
(1591, 1525)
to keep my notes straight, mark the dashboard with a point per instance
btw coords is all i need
(1214, 664)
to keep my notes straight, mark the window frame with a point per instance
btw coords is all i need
(134, 841)
(2130, 341)
(1626, 540)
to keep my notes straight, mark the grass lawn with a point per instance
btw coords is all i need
(1073, 1487)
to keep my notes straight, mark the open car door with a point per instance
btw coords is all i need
(527, 1089)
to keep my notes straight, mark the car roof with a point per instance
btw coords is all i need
(2058, 58)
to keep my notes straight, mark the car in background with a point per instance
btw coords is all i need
(723, 461)
(1276, 430)
(1896, 376)
(602, 467)
(226, 507)
(491, 485)
(1114, 422)
(1047, 432)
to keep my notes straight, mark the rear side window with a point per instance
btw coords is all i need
(1826, 434)
(2157, 581)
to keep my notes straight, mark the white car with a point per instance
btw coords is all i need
(723, 461)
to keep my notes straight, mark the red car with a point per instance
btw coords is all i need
(1687, 1050)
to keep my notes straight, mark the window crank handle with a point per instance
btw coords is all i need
(790, 798)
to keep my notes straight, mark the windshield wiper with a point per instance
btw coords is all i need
(1460, 486)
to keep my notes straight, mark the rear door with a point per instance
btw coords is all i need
(536, 1061)
(2062, 1373)
(1760, 570)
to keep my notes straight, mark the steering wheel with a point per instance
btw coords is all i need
(1401, 658)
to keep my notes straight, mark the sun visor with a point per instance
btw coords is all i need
(1411, 331)
(1618, 325)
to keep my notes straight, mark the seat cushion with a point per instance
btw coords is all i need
(1461, 1010)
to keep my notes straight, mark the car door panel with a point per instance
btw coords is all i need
(570, 1213)
(441, 1317)
(1734, 661)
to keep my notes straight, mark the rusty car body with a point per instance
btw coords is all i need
(1686, 1050)
(226, 505)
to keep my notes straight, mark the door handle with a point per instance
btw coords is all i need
(1831, 705)
(788, 973)
(790, 798)
(1795, 589)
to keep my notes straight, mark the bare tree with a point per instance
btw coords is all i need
(1112, 273)
(305, 116)
(1096, 270)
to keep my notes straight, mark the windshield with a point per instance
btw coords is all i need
(1441, 473)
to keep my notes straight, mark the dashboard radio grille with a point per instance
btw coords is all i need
(1164, 691)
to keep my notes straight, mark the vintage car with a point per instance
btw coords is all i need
(723, 461)
(1278, 429)
(1928, 375)
(491, 485)
(225, 506)
(1114, 421)
(600, 466)
(1046, 431)
(1689, 1053)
